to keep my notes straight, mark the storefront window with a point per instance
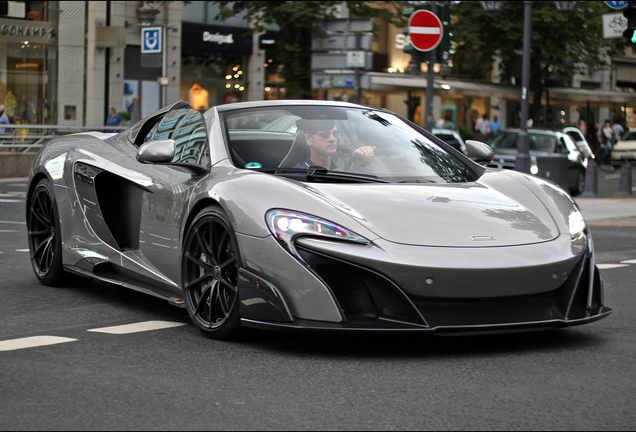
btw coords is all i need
(28, 62)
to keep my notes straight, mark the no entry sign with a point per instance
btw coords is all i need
(425, 30)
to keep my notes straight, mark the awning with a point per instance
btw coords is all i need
(388, 82)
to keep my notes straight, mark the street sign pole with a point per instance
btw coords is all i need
(522, 161)
(430, 81)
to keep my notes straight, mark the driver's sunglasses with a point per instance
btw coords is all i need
(327, 134)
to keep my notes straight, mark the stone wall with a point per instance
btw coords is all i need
(16, 164)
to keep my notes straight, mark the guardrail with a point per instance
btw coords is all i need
(25, 138)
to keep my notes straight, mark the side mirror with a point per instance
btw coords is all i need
(479, 152)
(161, 151)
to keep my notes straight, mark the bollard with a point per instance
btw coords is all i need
(625, 188)
(591, 180)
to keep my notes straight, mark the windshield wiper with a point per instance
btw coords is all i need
(320, 173)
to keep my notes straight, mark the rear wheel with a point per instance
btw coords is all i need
(45, 242)
(210, 269)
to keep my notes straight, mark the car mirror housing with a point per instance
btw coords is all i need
(161, 151)
(479, 152)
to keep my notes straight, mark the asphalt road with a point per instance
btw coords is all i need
(582, 378)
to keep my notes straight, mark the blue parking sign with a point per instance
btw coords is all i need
(151, 40)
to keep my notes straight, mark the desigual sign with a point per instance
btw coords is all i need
(12, 31)
(218, 38)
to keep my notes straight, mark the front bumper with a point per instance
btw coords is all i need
(371, 301)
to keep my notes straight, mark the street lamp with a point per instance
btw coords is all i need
(492, 8)
(566, 7)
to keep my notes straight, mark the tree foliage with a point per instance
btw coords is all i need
(559, 47)
(299, 22)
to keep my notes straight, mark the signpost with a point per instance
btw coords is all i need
(338, 59)
(614, 25)
(425, 30)
(151, 40)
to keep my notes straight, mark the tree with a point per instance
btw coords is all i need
(559, 47)
(299, 22)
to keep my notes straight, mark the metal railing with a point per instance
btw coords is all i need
(24, 138)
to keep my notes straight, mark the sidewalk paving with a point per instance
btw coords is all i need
(608, 211)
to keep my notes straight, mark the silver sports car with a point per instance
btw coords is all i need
(311, 215)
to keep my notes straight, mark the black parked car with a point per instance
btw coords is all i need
(542, 143)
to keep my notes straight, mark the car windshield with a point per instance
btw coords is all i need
(336, 140)
(540, 142)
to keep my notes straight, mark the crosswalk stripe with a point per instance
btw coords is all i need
(611, 266)
(631, 261)
(137, 327)
(32, 342)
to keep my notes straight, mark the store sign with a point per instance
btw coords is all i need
(218, 38)
(18, 31)
(213, 38)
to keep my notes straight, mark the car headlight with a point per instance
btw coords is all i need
(576, 223)
(287, 225)
(534, 169)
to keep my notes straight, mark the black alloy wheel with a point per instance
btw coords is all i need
(210, 268)
(45, 242)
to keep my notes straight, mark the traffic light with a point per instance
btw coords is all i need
(630, 34)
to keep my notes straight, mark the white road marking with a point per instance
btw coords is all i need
(8, 231)
(21, 250)
(13, 222)
(611, 266)
(137, 327)
(10, 201)
(32, 342)
(631, 261)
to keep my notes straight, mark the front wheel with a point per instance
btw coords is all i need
(210, 268)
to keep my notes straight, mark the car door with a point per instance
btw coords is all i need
(164, 193)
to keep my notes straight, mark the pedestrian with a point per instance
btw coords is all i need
(582, 127)
(495, 126)
(3, 119)
(439, 124)
(448, 124)
(607, 138)
(114, 119)
(618, 131)
(482, 127)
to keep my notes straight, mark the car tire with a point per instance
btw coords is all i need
(45, 239)
(579, 185)
(210, 266)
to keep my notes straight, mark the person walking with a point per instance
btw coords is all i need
(618, 131)
(3, 119)
(495, 126)
(114, 119)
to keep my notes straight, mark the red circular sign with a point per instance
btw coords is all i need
(425, 30)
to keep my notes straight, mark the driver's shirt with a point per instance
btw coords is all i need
(310, 164)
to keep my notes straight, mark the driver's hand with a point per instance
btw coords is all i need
(364, 155)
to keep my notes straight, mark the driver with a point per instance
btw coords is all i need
(322, 138)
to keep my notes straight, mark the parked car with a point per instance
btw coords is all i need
(542, 143)
(625, 149)
(452, 138)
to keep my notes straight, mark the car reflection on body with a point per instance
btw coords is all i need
(223, 213)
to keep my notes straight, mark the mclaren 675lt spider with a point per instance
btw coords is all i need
(311, 215)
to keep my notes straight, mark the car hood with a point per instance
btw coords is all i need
(452, 215)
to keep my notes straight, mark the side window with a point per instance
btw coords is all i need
(576, 136)
(187, 128)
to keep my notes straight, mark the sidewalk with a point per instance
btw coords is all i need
(608, 211)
